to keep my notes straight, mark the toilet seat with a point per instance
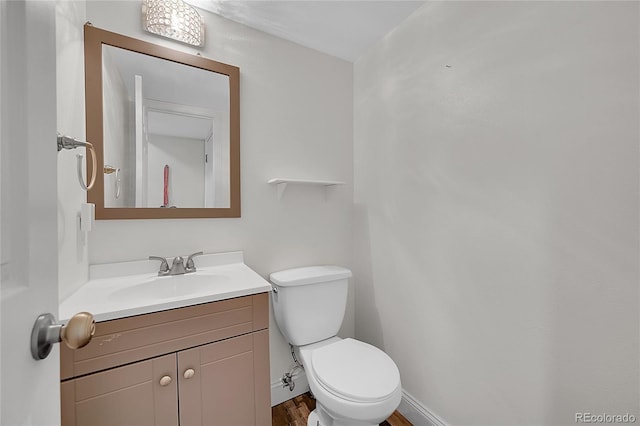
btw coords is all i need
(355, 371)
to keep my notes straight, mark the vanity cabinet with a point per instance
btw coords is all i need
(201, 365)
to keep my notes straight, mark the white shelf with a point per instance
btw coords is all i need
(305, 182)
(283, 182)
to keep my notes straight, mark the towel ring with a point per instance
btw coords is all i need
(110, 169)
(65, 142)
(117, 183)
(94, 166)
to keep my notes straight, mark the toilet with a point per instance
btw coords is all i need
(354, 383)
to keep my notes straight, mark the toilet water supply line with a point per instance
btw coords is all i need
(65, 142)
(287, 378)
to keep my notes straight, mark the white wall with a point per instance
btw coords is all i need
(295, 121)
(72, 243)
(117, 116)
(3, 244)
(496, 217)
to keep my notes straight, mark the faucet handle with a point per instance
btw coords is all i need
(190, 266)
(164, 266)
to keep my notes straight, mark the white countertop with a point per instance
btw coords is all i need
(119, 290)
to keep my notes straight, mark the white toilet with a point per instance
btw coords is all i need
(354, 383)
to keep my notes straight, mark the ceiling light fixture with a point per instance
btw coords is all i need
(173, 19)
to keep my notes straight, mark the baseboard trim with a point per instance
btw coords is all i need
(416, 413)
(280, 394)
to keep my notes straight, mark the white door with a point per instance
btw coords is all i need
(29, 392)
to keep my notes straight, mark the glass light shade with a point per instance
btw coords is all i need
(173, 19)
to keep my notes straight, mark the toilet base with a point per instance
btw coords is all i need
(314, 419)
(319, 417)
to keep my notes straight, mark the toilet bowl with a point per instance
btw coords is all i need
(354, 383)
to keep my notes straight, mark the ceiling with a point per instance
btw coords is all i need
(345, 29)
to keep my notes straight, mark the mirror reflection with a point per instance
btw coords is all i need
(166, 133)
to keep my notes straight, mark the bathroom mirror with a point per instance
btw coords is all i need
(165, 125)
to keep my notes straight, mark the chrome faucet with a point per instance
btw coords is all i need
(178, 266)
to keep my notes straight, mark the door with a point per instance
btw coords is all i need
(216, 383)
(142, 145)
(209, 186)
(143, 394)
(29, 393)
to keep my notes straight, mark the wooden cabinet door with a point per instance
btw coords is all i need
(134, 394)
(223, 389)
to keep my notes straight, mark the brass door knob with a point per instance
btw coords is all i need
(79, 330)
(75, 334)
(189, 373)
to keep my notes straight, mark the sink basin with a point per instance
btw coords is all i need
(124, 289)
(169, 287)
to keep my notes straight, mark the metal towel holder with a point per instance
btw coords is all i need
(110, 169)
(66, 142)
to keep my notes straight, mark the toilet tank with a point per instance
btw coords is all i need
(309, 303)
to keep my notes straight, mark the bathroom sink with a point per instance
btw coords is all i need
(169, 287)
(124, 289)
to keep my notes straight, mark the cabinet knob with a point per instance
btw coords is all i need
(165, 380)
(188, 373)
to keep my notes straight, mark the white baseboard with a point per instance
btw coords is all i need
(417, 413)
(280, 394)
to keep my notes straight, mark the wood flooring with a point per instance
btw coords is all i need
(295, 412)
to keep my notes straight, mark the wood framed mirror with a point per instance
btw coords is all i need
(165, 126)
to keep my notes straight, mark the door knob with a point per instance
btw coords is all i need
(165, 380)
(75, 334)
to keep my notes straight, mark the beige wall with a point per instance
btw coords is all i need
(496, 208)
(296, 121)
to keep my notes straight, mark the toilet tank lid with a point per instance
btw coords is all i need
(309, 275)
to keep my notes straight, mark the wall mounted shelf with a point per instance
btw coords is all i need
(283, 182)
